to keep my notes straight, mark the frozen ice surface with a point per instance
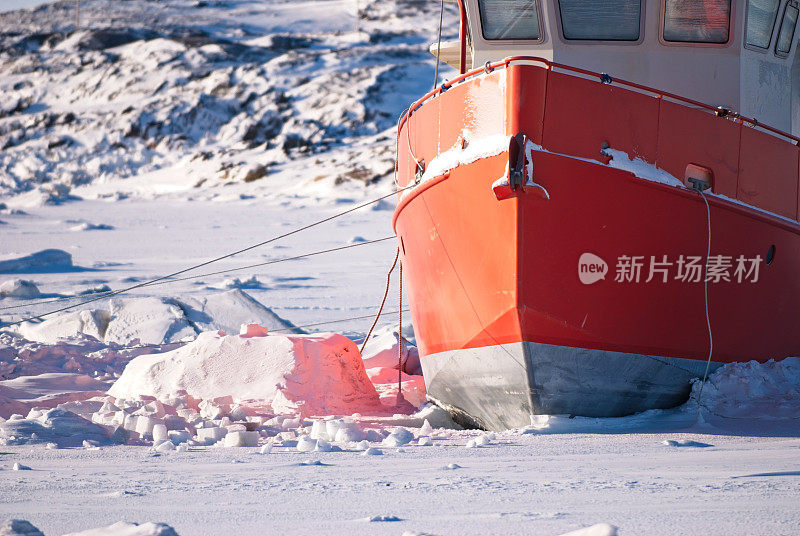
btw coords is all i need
(19, 527)
(224, 124)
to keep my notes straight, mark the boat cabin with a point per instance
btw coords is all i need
(741, 55)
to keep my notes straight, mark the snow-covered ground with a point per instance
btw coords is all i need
(166, 133)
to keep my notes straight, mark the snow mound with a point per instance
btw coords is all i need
(381, 361)
(47, 384)
(21, 357)
(48, 260)
(230, 310)
(122, 528)
(148, 320)
(310, 374)
(18, 288)
(381, 352)
(53, 426)
(768, 391)
(126, 321)
(153, 320)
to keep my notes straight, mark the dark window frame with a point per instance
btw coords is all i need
(731, 29)
(578, 41)
(537, 3)
(751, 46)
(794, 5)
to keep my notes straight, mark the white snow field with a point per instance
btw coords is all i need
(233, 398)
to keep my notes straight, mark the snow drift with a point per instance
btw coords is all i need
(311, 374)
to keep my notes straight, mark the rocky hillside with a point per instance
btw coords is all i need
(157, 96)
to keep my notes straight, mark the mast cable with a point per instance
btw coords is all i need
(438, 46)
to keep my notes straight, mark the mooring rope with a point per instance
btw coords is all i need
(211, 261)
(105, 293)
(705, 294)
(400, 340)
(383, 301)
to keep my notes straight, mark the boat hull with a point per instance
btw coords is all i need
(499, 387)
(493, 276)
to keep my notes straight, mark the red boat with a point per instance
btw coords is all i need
(576, 241)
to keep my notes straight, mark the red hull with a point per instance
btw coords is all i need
(483, 272)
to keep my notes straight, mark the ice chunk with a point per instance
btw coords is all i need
(211, 435)
(349, 432)
(179, 436)
(373, 436)
(601, 529)
(323, 446)
(332, 426)
(166, 446)
(306, 444)
(241, 439)
(372, 451)
(19, 467)
(424, 441)
(18, 288)
(399, 437)
(159, 433)
(145, 425)
(237, 413)
(319, 430)
(426, 428)
(266, 449)
(253, 330)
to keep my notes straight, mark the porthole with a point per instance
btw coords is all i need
(770, 254)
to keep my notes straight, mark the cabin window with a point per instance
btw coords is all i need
(761, 15)
(788, 26)
(510, 19)
(697, 21)
(601, 20)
